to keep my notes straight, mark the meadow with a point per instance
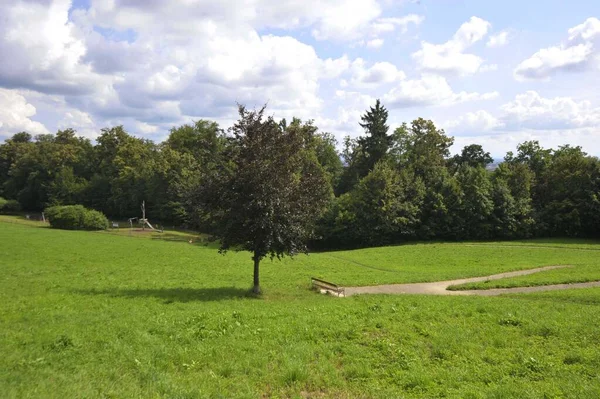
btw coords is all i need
(108, 315)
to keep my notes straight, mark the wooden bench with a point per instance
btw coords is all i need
(327, 287)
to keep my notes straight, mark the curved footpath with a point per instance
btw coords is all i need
(441, 287)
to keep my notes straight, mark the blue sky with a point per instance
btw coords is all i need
(493, 73)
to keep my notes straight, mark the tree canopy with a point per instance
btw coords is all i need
(260, 185)
(269, 200)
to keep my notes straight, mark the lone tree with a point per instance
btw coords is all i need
(269, 197)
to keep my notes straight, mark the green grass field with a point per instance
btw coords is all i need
(101, 315)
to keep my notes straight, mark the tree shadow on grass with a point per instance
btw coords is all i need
(188, 239)
(170, 295)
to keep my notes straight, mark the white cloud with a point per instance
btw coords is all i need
(551, 121)
(449, 57)
(332, 68)
(138, 63)
(498, 40)
(387, 25)
(578, 53)
(376, 75)
(375, 43)
(16, 113)
(552, 59)
(532, 111)
(82, 122)
(154, 69)
(499, 143)
(328, 19)
(146, 128)
(473, 122)
(343, 19)
(489, 68)
(429, 90)
(589, 29)
(345, 120)
(355, 98)
(45, 49)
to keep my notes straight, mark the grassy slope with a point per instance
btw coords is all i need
(97, 315)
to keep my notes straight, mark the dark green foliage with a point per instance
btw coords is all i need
(75, 217)
(376, 143)
(124, 175)
(268, 201)
(476, 206)
(389, 187)
(50, 170)
(422, 147)
(383, 208)
(572, 205)
(324, 145)
(9, 206)
(440, 214)
(362, 154)
(191, 154)
(565, 189)
(513, 213)
(472, 155)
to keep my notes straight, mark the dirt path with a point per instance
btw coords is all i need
(441, 287)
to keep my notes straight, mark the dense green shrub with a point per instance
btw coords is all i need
(76, 217)
(9, 206)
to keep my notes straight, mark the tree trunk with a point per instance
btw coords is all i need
(256, 288)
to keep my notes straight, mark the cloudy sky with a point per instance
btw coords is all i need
(488, 72)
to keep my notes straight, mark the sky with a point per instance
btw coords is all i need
(487, 72)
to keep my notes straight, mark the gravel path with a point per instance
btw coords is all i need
(441, 287)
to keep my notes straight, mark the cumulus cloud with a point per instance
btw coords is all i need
(376, 75)
(82, 122)
(585, 31)
(343, 19)
(327, 20)
(429, 90)
(500, 144)
(16, 113)
(355, 99)
(579, 52)
(532, 111)
(473, 123)
(375, 43)
(45, 49)
(498, 40)
(386, 25)
(135, 59)
(450, 57)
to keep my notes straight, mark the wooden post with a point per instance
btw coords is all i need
(144, 215)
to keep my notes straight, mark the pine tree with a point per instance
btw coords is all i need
(376, 143)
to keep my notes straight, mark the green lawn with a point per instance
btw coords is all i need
(97, 315)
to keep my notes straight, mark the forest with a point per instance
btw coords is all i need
(386, 186)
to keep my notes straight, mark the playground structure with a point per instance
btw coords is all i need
(143, 221)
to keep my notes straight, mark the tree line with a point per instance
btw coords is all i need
(384, 187)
